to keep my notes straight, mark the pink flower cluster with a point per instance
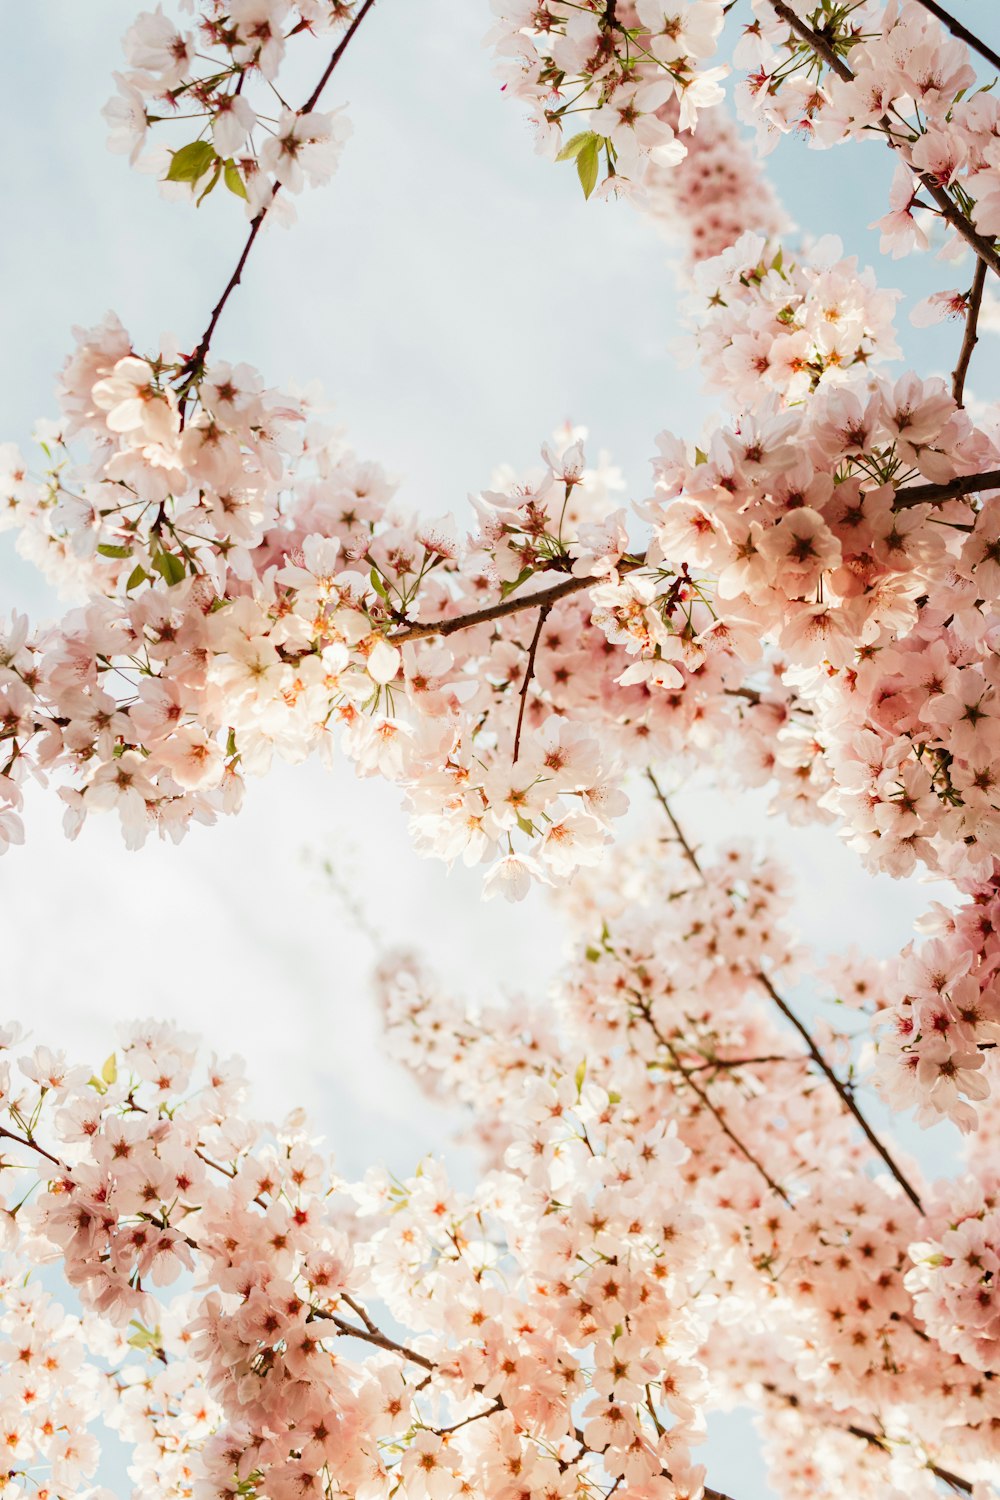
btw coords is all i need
(599, 80)
(890, 70)
(941, 1017)
(954, 1281)
(220, 74)
(713, 194)
(50, 1392)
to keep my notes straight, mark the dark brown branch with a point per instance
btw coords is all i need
(962, 32)
(951, 489)
(845, 1095)
(382, 1341)
(917, 494)
(195, 362)
(32, 1145)
(984, 248)
(971, 334)
(543, 599)
(529, 672)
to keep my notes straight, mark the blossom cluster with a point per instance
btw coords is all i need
(954, 1279)
(940, 1018)
(613, 69)
(713, 194)
(217, 79)
(675, 1211)
(890, 70)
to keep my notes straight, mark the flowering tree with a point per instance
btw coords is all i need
(682, 1203)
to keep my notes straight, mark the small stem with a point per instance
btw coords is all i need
(845, 1096)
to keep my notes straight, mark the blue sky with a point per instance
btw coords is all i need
(457, 299)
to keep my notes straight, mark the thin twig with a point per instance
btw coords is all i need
(529, 672)
(915, 494)
(23, 1140)
(971, 337)
(689, 853)
(822, 48)
(846, 1097)
(872, 1438)
(955, 1480)
(196, 361)
(645, 1010)
(716, 1113)
(962, 32)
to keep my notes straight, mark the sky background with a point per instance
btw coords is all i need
(457, 300)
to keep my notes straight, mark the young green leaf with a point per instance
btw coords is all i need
(191, 162)
(234, 182)
(170, 568)
(107, 550)
(211, 184)
(575, 145)
(587, 164)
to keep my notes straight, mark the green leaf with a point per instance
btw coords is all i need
(506, 589)
(106, 549)
(593, 954)
(234, 182)
(170, 568)
(700, 457)
(191, 162)
(575, 145)
(212, 182)
(378, 585)
(138, 575)
(586, 164)
(579, 1076)
(97, 1083)
(109, 1069)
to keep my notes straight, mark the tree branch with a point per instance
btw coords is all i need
(195, 361)
(844, 1094)
(544, 599)
(846, 1097)
(714, 1111)
(822, 48)
(529, 672)
(24, 1140)
(951, 489)
(955, 1480)
(962, 32)
(689, 853)
(971, 333)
